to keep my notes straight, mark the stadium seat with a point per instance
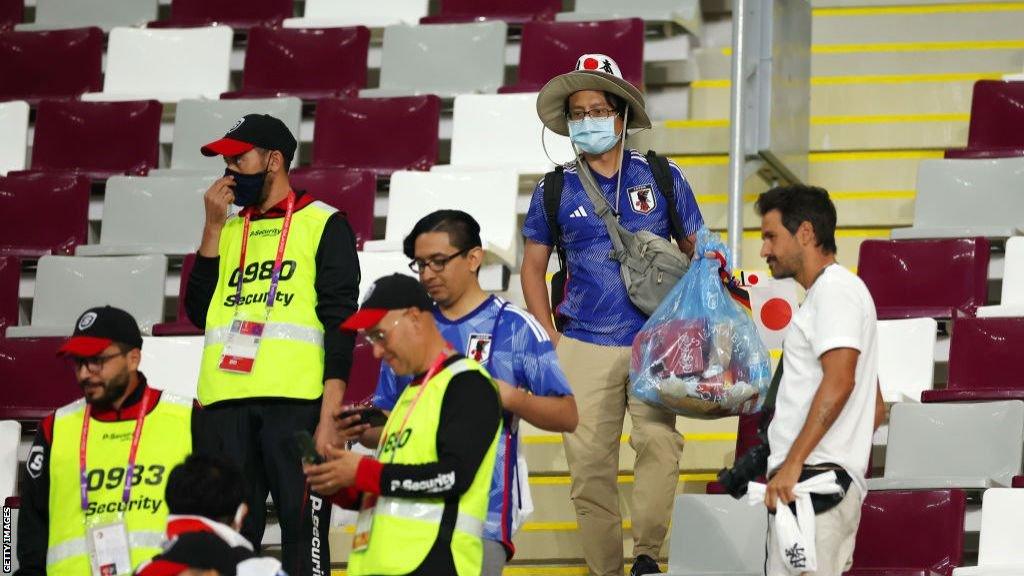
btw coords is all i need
(10, 276)
(970, 446)
(510, 11)
(910, 533)
(151, 216)
(685, 13)
(906, 358)
(351, 191)
(166, 65)
(441, 59)
(67, 285)
(489, 196)
(717, 535)
(97, 139)
(189, 13)
(181, 325)
(105, 14)
(377, 134)
(1002, 522)
(198, 121)
(362, 380)
(552, 48)
(997, 121)
(14, 127)
(172, 364)
(36, 381)
(1011, 300)
(983, 361)
(51, 64)
(11, 12)
(309, 63)
(10, 436)
(478, 117)
(333, 13)
(925, 278)
(53, 213)
(958, 198)
(374, 265)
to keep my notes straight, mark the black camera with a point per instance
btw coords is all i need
(746, 468)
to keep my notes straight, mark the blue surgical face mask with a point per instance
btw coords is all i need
(248, 187)
(593, 135)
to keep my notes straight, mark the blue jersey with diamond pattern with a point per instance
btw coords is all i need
(597, 307)
(513, 347)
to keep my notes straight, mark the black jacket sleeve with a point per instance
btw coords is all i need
(34, 515)
(470, 414)
(202, 283)
(337, 293)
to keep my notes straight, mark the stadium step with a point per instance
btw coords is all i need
(964, 22)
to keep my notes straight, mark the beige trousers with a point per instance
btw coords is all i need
(835, 533)
(599, 378)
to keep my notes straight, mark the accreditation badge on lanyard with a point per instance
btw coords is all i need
(107, 541)
(246, 330)
(364, 523)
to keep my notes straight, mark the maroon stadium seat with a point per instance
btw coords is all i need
(181, 326)
(97, 139)
(552, 48)
(362, 380)
(33, 380)
(511, 11)
(188, 13)
(925, 278)
(309, 63)
(910, 533)
(351, 191)
(11, 12)
(997, 121)
(377, 134)
(10, 276)
(53, 209)
(1017, 482)
(983, 362)
(50, 64)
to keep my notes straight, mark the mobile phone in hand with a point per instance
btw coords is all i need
(307, 448)
(375, 417)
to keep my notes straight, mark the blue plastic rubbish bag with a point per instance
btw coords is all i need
(699, 354)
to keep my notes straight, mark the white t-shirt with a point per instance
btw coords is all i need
(837, 313)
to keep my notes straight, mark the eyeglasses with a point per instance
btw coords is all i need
(577, 115)
(435, 263)
(94, 364)
(374, 337)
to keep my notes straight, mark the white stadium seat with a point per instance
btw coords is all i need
(717, 535)
(1002, 522)
(14, 127)
(335, 13)
(906, 358)
(1011, 300)
(172, 363)
(105, 14)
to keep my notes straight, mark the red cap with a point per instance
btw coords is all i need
(226, 147)
(364, 319)
(84, 346)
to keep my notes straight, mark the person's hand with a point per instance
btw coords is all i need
(349, 428)
(339, 471)
(217, 198)
(780, 487)
(324, 436)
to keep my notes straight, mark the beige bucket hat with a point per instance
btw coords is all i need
(593, 72)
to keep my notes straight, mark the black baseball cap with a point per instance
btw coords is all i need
(98, 328)
(254, 131)
(394, 292)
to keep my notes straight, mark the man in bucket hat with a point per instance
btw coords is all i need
(594, 106)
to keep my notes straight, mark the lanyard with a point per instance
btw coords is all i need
(132, 453)
(434, 369)
(278, 260)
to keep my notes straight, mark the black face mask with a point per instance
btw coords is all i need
(248, 187)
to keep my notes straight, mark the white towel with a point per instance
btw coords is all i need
(795, 535)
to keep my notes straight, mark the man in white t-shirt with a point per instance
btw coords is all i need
(828, 403)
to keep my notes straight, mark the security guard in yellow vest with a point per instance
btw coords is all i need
(93, 489)
(423, 498)
(271, 285)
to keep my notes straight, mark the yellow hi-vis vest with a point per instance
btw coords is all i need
(405, 529)
(290, 362)
(165, 442)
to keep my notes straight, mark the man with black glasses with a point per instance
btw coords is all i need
(93, 491)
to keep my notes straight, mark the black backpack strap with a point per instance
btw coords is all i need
(553, 183)
(663, 179)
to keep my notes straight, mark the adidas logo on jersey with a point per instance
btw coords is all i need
(578, 213)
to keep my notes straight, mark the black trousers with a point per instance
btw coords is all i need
(259, 436)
